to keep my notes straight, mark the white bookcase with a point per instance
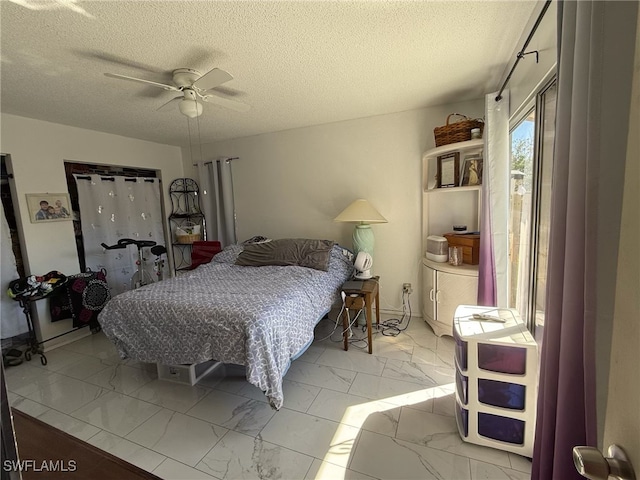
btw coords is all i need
(444, 286)
(496, 379)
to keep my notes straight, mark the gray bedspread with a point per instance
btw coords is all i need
(260, 317)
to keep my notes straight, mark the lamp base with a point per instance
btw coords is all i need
(363, 240)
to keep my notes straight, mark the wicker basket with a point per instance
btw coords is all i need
(459, 131)
(189, 238)
(189, 232)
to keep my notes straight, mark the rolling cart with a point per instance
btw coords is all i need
(86, 294)
(34, 347)
(29, 290)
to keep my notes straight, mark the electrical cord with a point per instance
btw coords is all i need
(391, 327)
(335, 326)
(349, 321)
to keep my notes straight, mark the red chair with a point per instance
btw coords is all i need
(203, 251)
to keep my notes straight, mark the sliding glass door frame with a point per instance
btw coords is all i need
(538, 106)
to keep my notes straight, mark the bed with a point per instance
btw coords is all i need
(231, 311)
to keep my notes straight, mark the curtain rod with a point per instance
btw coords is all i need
(211, 161)
(522, 52)
(113, 179)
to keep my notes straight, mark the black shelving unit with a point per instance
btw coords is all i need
(185, 210)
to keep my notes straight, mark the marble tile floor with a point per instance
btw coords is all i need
(347, 415)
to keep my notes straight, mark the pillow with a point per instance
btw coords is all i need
(256, 239)
(228, 254)
(302, 252)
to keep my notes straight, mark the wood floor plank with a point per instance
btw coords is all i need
(41, 442)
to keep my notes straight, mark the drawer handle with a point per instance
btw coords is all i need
(431, 295)
(438, 296)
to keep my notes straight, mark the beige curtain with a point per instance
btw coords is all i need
(216, 189)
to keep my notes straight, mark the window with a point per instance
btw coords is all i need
(520, 192)
(532, 141)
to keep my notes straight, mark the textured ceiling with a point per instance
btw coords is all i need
(296, 63)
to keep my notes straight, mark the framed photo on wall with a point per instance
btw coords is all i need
(49, 207)
(472, 171)
(448, 170)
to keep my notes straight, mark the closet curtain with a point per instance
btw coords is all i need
(13, 319)
(494, 247)
(216, 188)
(116, 207)
(595, 67)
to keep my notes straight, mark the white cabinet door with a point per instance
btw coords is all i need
(429, 292)
(453, 290)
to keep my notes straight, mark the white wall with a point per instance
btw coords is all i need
(622, 421)
(528, 75)
(293, 183)
(38, 151)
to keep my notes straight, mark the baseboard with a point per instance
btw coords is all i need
(388, 311)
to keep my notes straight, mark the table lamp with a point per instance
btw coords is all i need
(363, 214)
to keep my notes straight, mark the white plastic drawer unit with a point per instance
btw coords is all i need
(186, 374)
(496, 379)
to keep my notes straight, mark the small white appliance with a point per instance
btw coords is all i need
(437, 249)
(363, 264)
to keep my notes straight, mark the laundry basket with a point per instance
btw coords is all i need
(188, 232)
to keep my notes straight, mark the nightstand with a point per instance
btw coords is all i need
(358, 298)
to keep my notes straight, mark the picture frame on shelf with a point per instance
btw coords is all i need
(49, 207)
(471, 171)
(448, 173)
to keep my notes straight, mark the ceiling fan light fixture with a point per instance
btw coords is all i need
(190, 108)
(190, 83)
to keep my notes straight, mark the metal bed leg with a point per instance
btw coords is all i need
(34, 347)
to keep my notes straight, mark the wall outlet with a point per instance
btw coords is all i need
(406, 288)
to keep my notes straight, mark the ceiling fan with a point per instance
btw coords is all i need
(193, 86)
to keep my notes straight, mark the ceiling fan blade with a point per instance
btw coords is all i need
(169, 104)
(213, 97)
(120, 62)
(140, 80)
(212, 79)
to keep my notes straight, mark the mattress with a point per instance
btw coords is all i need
(260, 317)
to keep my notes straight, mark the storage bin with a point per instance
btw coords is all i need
(460, 351)
(503, 429)
(462, 420)
(462, 387)
(188, 374)
(496, 391)
(501, 394)
(501, 359)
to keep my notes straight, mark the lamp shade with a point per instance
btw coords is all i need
(360, 211)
